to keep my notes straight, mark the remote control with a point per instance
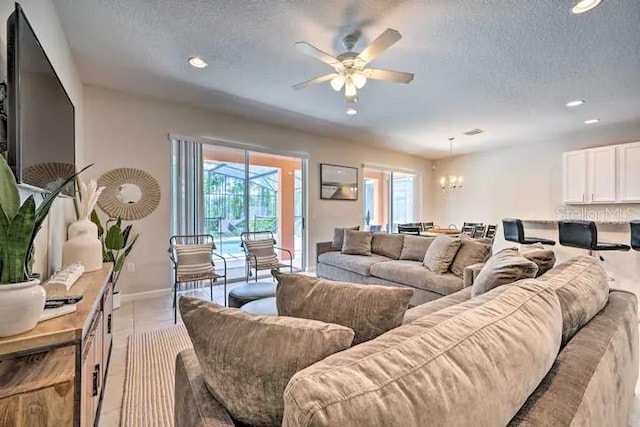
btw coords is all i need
(69, 299)
(53, 304)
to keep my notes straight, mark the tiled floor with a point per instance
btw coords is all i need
(156, 313)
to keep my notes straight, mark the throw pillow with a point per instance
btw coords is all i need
(369, 310)
(544, 258)
(441, 253)
(386, 244)
(194, 260)
(338, 237)
(471, 252)
(357, 242)
(415, 247)
(505, 267)
(247, 360)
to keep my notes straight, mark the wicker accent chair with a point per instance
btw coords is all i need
(192, 259)
(260, 253)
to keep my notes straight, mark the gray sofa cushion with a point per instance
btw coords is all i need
(505, 267)
(431, 307)
(357, 242)
(356, 263)
(243, 373)
(471, 252)
(415, 247)
(544, 258)
(367, 309)
(413, 273)
(441, 253)
(476, 368)
(338, 237)
(582, 286)
(389, 245)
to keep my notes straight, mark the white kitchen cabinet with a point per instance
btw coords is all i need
(601, 173)
(629, 173)
(574, 173)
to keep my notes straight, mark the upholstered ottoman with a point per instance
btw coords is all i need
(264, 306)
(244, 294)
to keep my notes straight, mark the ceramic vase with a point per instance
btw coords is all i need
(21, 306)
(83, 246)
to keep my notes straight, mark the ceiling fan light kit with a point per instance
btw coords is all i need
(351, 72)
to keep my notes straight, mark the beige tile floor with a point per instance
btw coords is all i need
(157, 313)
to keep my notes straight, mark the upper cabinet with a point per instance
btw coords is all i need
(629, 173)
(602, 175)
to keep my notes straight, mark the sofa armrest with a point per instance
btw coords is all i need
(194, 405)
(470, 273)
(322, 247)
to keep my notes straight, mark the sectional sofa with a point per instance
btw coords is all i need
(560, 350)
(392, 265)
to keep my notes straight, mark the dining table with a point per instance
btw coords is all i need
(435, 232)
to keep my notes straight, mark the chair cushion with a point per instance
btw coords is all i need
(544, 258)
(357, 242)
(243, 373)
(367, 309)
(475, 368)
(356, 263)
(413, 273)
(471, 252)
(441, 253)
(194, 261)
(583, 289)
(261, 252)
(505, 267)
(389, 245)
(415, 247)
(338, 237)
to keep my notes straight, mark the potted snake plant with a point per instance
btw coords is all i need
(21, 296)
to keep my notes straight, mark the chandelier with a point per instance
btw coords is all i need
(451, 181)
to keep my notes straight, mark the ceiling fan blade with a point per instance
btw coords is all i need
(315, 81)
(314, 52)
(391, 76)
(379, 45)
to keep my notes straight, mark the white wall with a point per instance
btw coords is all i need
(44, 19)
(125, 130)
(525, 182)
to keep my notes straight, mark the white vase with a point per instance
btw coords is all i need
(21, 305)
(83, 246)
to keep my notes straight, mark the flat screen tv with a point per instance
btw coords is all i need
(40, 114)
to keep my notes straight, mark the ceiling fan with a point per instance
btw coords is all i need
(350, 68)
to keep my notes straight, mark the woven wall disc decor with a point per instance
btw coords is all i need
(128, 193)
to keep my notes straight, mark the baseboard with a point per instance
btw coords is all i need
(144, 295)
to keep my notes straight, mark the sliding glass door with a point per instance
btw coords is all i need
(244, 190)
(389, 199)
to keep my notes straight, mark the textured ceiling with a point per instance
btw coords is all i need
(506, 66)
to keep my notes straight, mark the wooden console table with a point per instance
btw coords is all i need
(53, 375)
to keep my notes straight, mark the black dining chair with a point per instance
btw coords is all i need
(514, 232)
(584, 235)
(479, 231)
(409, 229)
(635, 235)
(426, 226)
(492, 229)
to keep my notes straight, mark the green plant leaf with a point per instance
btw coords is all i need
(9, 196)
(114, 240)
(96, 220)
(126, 232)
(119, 263)
(133, 242)
(18, 244)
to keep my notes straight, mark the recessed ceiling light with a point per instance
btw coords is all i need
(575, 103)
(591, 121)
(584, 6)
(196, 61)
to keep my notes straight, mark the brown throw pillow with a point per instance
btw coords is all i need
(441, 253)
(247, 360)
(544, 258)
(338, 237)
(505, 267)
(357, 242)
(415, 247)
(471, 252)
(386, 244)
(367, 309)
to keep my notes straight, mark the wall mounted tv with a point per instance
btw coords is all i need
(40, 114)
